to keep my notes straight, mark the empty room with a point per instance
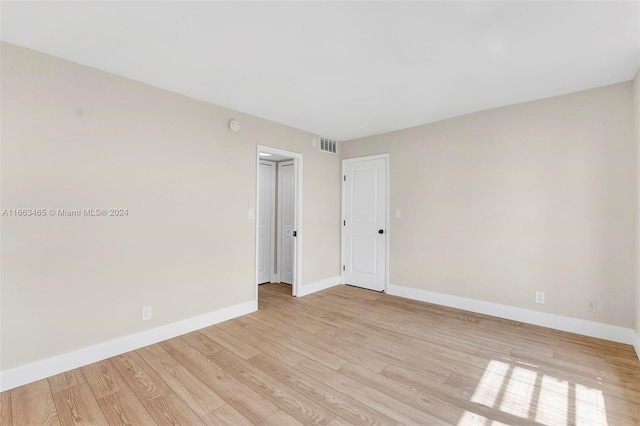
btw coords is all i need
(320, 213)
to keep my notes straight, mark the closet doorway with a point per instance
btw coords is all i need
(278, 213)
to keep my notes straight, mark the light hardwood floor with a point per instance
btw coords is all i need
(347, 356)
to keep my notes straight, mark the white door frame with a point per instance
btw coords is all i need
(272, 195)
(297, 262)
(386, 202)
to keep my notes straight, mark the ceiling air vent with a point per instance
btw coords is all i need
(328, 145)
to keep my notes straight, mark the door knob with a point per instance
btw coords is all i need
(380, 231)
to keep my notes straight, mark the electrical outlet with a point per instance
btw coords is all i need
(592, 306)
(540, 297)
(146, 313)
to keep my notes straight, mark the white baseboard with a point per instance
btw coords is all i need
(319, 285)
(28, 373)
(558, 322)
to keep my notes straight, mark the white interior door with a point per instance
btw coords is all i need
(266, 206)
(287, 220)
(365, 218)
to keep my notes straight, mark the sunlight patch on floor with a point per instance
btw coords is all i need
(519, 392)
(589, 406)
(490, 385)
(522, 392)
(552, 402)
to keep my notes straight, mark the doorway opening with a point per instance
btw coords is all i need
(278, 220)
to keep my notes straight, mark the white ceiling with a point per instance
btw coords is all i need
(344, 69)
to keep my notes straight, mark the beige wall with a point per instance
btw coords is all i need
(75, 137)
(498, 204)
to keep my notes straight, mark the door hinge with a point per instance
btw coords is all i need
(295, 233)
(343, 267)
(344, 223)
(345, 178)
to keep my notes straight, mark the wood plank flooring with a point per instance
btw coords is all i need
(347, 356)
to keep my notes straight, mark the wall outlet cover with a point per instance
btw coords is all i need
(146, 313)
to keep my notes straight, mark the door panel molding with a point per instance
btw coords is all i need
(266, 220)
(286, 221)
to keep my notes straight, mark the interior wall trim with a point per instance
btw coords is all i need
(319, 285)
(38, 370)
(557, 322)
